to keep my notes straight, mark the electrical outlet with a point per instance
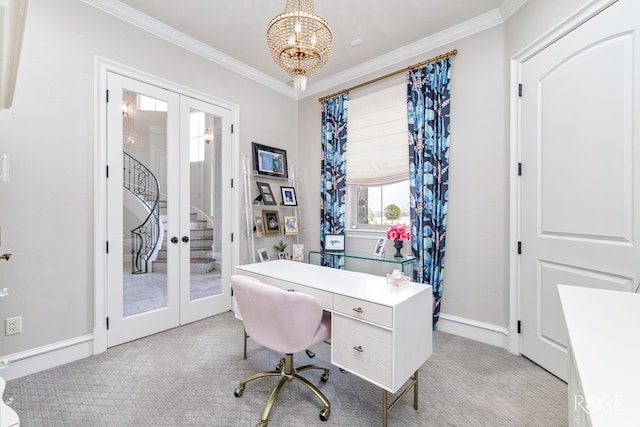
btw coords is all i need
(13, 325)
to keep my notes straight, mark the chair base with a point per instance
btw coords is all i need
(288, 373)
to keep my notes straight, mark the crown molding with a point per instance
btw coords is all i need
(472, 26)
(159, 29)
(449, 35)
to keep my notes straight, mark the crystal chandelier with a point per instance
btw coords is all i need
(299, 41)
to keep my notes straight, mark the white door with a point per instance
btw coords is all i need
(580, 183)
(165, 262)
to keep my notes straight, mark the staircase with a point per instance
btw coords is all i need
(200, 239)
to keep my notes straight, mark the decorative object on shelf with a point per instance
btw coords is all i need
(399, 233)
(266, 195)
(299, 41)
(378, 250)
(271, 221)
(280, 247)
(263, 254)
(397, 279)
(269, 161)
(290, 225)
(298, 252)
(289, 196)
(334, 242)
(258, 226)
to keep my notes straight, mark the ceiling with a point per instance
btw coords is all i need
(390, 30)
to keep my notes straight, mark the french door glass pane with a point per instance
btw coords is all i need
(144, 180)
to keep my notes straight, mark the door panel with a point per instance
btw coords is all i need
(205, 263)
(143, 293)
(580, 182)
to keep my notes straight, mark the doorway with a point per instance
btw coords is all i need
(168, 260)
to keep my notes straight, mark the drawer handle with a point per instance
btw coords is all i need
(358, 348)
(358, 310)
(291, 290)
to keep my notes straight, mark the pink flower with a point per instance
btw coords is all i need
(398, 232)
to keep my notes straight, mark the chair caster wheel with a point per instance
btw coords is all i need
(262, 424)
(325, 377)
(324, 414)
(238, 391)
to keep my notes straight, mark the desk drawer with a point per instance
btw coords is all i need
(371, 312)
(362, 348)
(325, 298)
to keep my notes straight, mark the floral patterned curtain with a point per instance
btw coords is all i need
(428, 105)
(333, 188)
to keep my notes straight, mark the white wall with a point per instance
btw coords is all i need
(46, 209)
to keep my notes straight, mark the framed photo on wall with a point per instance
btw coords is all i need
(271, 222)
(269, 161)
(289, 196)
(266, 193)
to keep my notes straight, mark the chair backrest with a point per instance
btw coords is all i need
(286, 322)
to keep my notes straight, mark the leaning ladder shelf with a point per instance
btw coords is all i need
(249, 179)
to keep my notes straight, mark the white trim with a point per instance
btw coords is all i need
(48, 356)
(102, 66)
(569, 24)
(162, 30)
(472, 329)
(13, 15)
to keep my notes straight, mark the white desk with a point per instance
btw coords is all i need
(604, 356)
(380, 333)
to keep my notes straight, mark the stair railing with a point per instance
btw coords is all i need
(143, 184)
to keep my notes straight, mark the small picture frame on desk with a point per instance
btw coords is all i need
(263, 255)
(334, 242)
(378, 250)
(266, 194)
(289, 196)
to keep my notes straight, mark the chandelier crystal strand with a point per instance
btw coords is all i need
(299, 41)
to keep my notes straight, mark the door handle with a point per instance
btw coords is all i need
(185, 239)
(174, 239)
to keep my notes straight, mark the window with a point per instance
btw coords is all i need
(378, 156)
(147, 103)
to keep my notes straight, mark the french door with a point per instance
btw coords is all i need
(167, 157)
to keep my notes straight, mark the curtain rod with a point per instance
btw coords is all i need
(377, 79)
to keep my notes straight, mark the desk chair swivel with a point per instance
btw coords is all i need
(286, 322)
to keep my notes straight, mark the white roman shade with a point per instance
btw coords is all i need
(377, 135)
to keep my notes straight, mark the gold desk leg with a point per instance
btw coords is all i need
(384, 408)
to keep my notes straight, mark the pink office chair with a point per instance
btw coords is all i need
(286, 322)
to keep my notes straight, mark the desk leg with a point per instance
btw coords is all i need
(413, 384)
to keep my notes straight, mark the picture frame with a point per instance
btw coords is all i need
(266, 194)
(378, 249)
(288, 196)
(258, 224)
(263, 255)
(269, 161)
(298, 252)
(271, 221)
(290, 225)
(334, 242)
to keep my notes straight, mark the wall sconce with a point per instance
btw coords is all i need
(208, 136)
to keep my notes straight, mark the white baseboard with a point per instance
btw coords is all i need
(48, 356)
(472, 329)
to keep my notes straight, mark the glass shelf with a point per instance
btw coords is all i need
(405, 263)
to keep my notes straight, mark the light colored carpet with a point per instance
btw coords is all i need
(186, 377)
